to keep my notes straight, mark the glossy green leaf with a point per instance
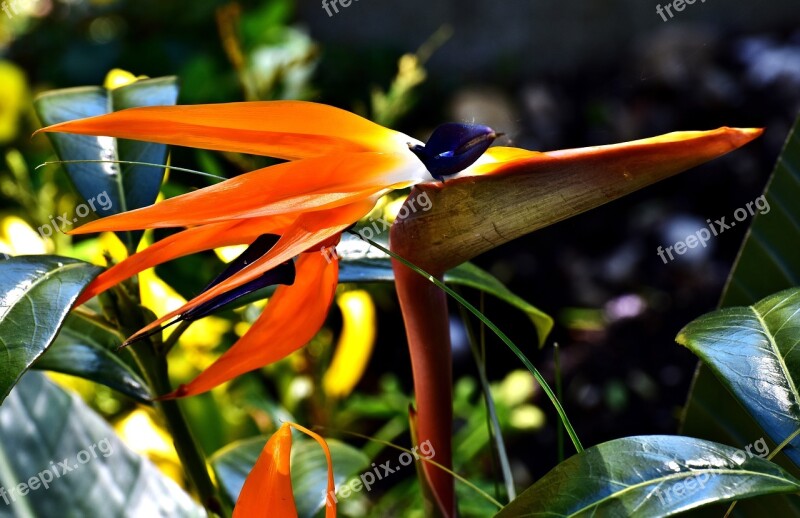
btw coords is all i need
(309, 468)
(109, 188)
(753, 351)
(36, 293)
(362, 263)
(769, 261)
(86, 349)
(44, 429)
(649, 476)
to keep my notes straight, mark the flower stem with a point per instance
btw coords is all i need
(154, 367)
(511, 345)
(124, 307)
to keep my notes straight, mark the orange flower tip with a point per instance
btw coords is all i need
(742, 136)
(49, 129)
(138, 337)
(82, 299)
(750, 133)
(133, 339)
(181, 391)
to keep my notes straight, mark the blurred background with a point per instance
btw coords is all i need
(549, 74)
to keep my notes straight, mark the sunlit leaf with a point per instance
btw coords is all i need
(109, 188)
(36, 293)
(41, 427)
(649, 476)
(753, 351)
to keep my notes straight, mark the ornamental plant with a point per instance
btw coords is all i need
(295, 220)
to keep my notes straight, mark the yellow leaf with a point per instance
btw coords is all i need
(19, 238)
(355, 344)
(117, 77)
(12, 99)
(141, 434)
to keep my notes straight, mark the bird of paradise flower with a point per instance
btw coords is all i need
(338, 166)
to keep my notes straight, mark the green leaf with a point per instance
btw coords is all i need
(471, 276)
(41, 427)
(36, 293)
(769, 261)
(753, 351)
(362, 263)
(86, 349)
(650, 476)
(233, 463)
(109, 188)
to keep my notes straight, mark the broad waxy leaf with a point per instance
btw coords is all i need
(753, 350)
(649, 476)
(114, 188)
(86, 349)
(768, 262)
(233, 463)
(42, 429)
(36, 293)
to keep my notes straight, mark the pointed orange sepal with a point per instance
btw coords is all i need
(309, 230)
(330, 503)
(268, 490)
(281, 129)
(677, 150)
(190, 241)
(292, 187)
(292, 317)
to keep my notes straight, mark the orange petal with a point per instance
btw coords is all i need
(292, 317)
(330, 503)
(281, 129)
(685, 148)
(190, 241)
(267, 491)
(308, 230)
(268, 488)
(311, 184)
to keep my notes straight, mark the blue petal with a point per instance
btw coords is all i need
(453, 147)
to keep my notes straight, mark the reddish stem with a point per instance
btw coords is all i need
(424, 308)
